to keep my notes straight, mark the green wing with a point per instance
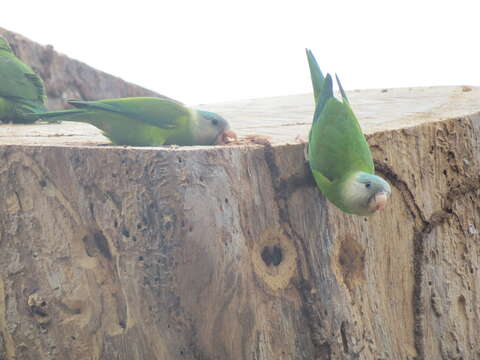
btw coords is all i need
(152, 111)
(20, 84)
(337, 145)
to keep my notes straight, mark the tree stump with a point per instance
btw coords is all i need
(231, 252)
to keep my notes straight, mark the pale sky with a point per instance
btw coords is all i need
(210, 51)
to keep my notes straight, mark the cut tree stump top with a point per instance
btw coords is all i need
(232, 252)
(282, 118)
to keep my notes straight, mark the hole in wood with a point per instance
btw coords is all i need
(274, 259)
(351, 260)
(102, 244)
(272, 255)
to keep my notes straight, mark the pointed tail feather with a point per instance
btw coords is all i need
(342, 91)
(315, 74)
(326, 92)
(57, 116)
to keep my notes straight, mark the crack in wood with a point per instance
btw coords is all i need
(422, 230)
(407, 195)
(437, 218)
(343, 332)
(282, 190)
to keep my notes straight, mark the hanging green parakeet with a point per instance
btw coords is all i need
(21, 90)
(338, 153)
(147, 121)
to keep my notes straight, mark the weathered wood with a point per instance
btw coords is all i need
(66, 78)
(231, 252)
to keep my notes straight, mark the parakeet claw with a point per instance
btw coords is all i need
(300, 139)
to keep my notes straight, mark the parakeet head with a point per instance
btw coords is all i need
(212, 129)
(366, 193)
(4, 45)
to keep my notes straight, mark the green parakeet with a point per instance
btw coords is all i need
(338, 153)
(21, 90)
(147, 121)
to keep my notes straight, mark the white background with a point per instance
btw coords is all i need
(211, 51)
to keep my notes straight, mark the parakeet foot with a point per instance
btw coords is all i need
(301, 140)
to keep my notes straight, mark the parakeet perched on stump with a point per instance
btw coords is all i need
(338, 153)
(21, 90)
(147, 121)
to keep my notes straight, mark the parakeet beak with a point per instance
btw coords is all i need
(225, 137)
(379, 201)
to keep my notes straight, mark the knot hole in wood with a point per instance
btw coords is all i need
(274, 259)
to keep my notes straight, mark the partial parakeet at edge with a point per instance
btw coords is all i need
(21, 90)
(147, 121)
(338, 153)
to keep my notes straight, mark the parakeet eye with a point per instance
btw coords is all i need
(215, 122)
(367, 185)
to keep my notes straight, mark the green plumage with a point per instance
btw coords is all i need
(145, 121)
(347, 148)
(338, 152)
(21, 90)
